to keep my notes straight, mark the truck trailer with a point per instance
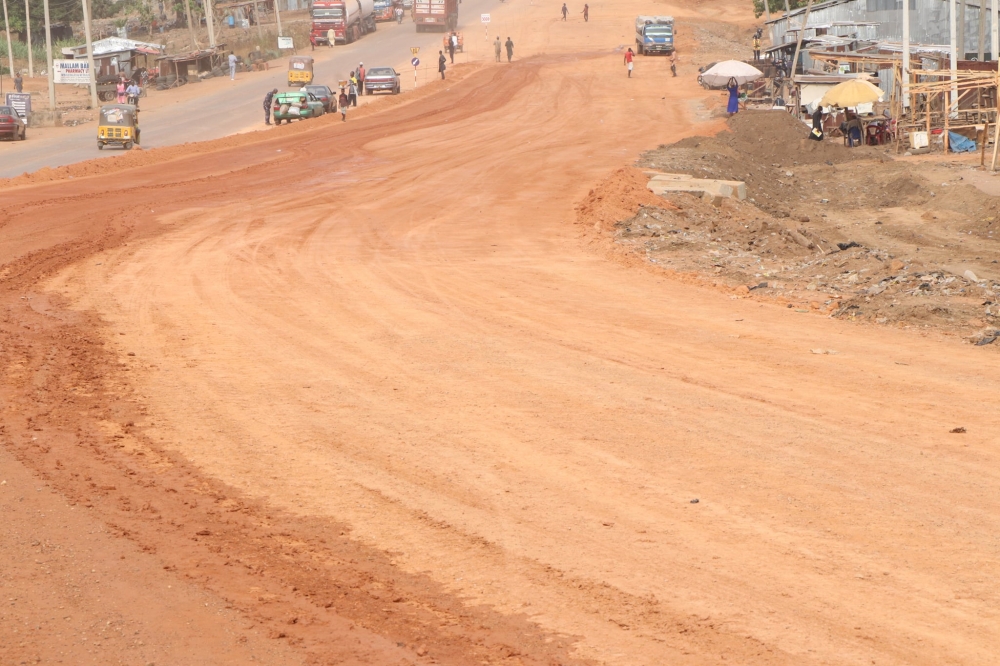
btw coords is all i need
(349, 20)
(440, 15)
(654, 34)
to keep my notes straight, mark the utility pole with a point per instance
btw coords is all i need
(90, 54)
(48, 57)
(210, 18)
(187, 8)
(953, 54)
(10, 47)
(277, 15)
(906, 53)
(767, 10)
(27, 24)
(995, 30)
(798, 43)
(982, 30)
(961, 29)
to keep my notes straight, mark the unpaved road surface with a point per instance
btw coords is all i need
(219, 107)
(405, 405)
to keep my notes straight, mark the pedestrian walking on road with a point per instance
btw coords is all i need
(452, 45)
(442, 63)
(497, 47)
(19, 82)
(352, 90)
(565, 11)
(120, 90)
(399, 15)
(343, 102)
(312, 42)
(232, 66)
(268, 98)
(629, 57)
(361, 78)
(510, 49)
(673, 63)
(586, 13)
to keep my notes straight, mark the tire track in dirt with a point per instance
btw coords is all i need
(333, 600)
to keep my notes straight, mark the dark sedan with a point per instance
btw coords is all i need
(325, 95)
(11, 125)
(382, 79)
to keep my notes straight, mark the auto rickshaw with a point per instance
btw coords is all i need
(118, 124)
(300, 71)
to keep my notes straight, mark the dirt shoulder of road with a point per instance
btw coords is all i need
(853, 233)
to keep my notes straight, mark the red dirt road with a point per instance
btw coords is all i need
(405, 406)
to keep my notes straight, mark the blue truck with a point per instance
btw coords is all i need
(654, 34)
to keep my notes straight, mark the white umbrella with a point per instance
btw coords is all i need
(720, 73)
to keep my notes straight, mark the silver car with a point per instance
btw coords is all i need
(382, 79)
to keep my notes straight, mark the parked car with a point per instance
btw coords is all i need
(325, 95)
(296, 105)
(382, 79)
(11, 125)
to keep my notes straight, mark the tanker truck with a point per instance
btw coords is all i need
(349, 20)
(435, 15)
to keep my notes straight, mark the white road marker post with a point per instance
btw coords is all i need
(485, 18)
(415, 61)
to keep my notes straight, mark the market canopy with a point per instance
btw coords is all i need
(852, 93)
(721, 73)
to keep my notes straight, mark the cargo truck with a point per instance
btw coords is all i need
(384, 10)
(440, 15)
(349, 20)
(654, 34)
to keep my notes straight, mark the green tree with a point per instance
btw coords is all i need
(60, 12)
(777, 7)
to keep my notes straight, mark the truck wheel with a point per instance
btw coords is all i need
(127, 145)
(100, 146)
(638, 48)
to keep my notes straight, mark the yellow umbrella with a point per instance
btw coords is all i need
(851, 93)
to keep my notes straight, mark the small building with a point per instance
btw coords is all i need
(115, 56)
(882, 20)
(184, 66)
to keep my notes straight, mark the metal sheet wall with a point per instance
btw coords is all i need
(928, 23)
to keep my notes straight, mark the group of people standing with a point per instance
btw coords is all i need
(128, 91)
(509, 44)
(585, 12)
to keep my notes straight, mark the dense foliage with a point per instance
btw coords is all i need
(66, 11)
(777, 6)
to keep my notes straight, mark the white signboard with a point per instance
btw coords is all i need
(485, 18)
(285, 43)
(71, 71)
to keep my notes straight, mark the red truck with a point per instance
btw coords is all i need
(441, 15)
(349, 20)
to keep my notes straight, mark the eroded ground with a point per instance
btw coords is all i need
(421, 407)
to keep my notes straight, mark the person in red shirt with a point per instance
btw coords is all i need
(629, 56)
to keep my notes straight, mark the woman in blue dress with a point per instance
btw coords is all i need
(734, 96)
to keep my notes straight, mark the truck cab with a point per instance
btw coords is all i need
(654, 34)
